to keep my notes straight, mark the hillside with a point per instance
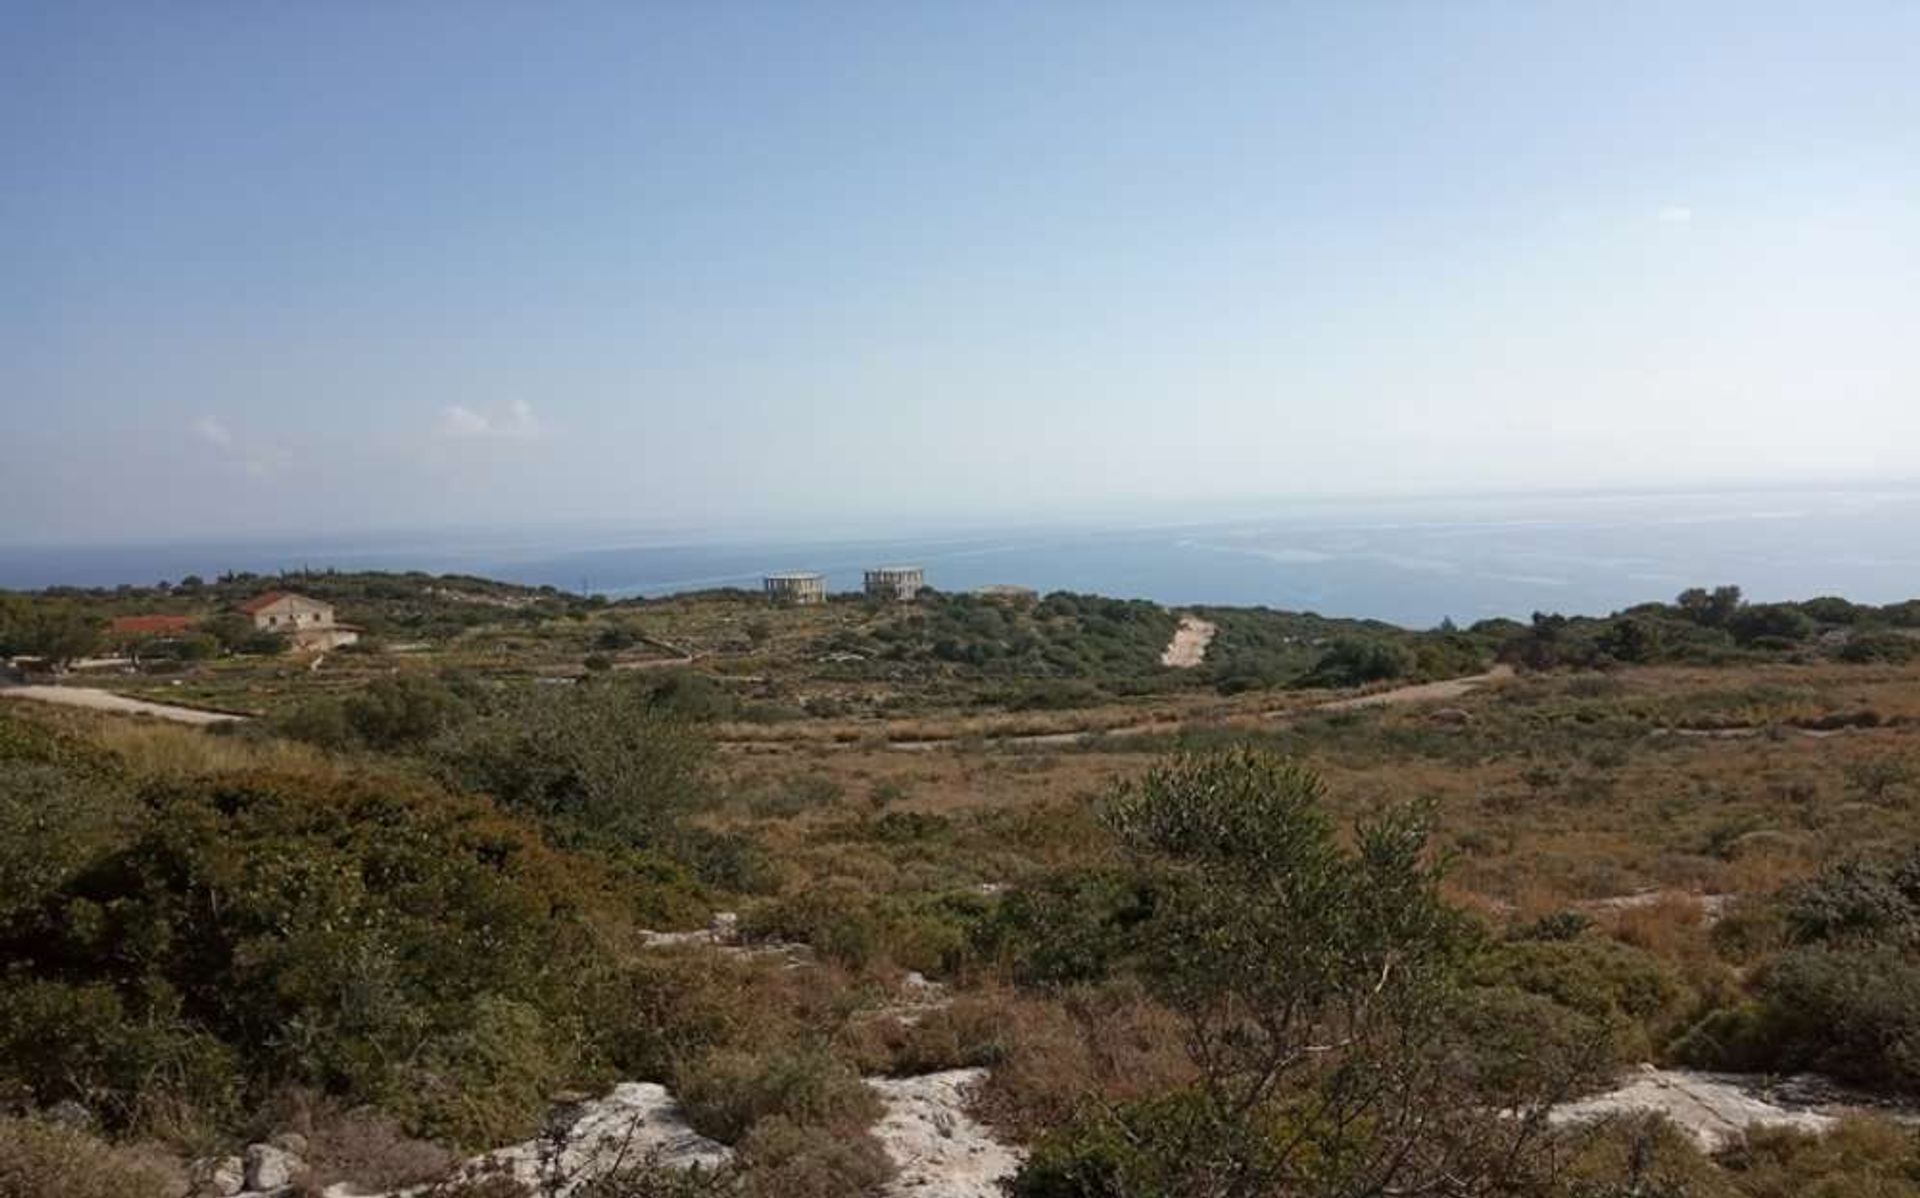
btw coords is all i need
(799, 885)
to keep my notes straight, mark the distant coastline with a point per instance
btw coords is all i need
(1408, 562)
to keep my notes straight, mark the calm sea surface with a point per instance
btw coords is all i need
(1409, 562)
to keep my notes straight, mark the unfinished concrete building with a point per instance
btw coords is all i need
(1008, 593)
(799, 587)
(898, 583)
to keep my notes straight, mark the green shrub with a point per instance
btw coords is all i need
(52, 822)
(1066, 928)
(1844, 997)
(1858, 902)
(1851, 1013)
(598, 764)
(1891, 648)
(381, 941)
(1638, 997)
(1317, 980)
(44, 1160)
(1354, 661)
(390, 713)
(1863, 1157)
(727, 1093)
(1158, 1146)
(134, 1062)
(787, 1158)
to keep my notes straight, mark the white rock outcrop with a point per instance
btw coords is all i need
(722, 935)
(270, 1167)
(221, 1177)
(1716, 1109)
(938, 1150)
(635, 1124)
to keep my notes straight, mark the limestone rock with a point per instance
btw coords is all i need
(270, 1167)
(68, 1113)
(1716, 1109)
(635, 1122)
(938, 1150)
(290, 1141)
(219, 1176)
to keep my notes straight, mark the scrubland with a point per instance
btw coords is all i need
(1239, 946)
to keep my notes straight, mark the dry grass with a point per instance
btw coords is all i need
(1561, 790)
(154, 749)
(45, 1160)
(363, 1147)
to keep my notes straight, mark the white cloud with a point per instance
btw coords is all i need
(214, 432)
(1675, 214)
(514, 422)
(257, 460)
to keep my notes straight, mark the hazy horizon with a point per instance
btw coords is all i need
(1412, 562)
(802, 529)
(354, 268)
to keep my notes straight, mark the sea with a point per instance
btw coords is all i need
(1412, 562)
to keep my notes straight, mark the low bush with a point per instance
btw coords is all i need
(379, 941)
(845, 924)
(598, 764)
(726, 1093)
(46, 1160)
(1853, 1014)
(1067, 928)
(1862, 1157)
(785, 1158)
(1843, 998)
(1318, 982)
(1638, 998)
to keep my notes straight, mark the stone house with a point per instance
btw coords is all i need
(306, 623)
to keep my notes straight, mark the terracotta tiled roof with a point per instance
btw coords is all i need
(261, 602)
(151, 625)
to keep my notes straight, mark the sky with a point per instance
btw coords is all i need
(357, 266)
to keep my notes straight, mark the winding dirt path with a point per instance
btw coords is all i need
(94, 699)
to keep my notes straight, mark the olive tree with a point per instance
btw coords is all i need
(1319, 980)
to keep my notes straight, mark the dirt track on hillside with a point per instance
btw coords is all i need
(99, 700)
(1425, 692)
(1188, 648)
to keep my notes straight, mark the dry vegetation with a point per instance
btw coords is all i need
(1645, 855)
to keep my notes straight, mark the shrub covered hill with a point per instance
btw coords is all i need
(1242, 943)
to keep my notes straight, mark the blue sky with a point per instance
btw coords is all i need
(267, 267)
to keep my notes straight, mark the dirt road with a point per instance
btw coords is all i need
(1188, 648)
(99, 700)
(1425, 692)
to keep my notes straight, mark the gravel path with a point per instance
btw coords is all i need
(98, 700)
(1188, 648)
(1425, 692)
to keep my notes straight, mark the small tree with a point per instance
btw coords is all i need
(598, 761)
(1354, 661)
(55, 632)
(1631, 639)
(1542, 646)
(1317, 983)
(1711, 609)
(1777, 623)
